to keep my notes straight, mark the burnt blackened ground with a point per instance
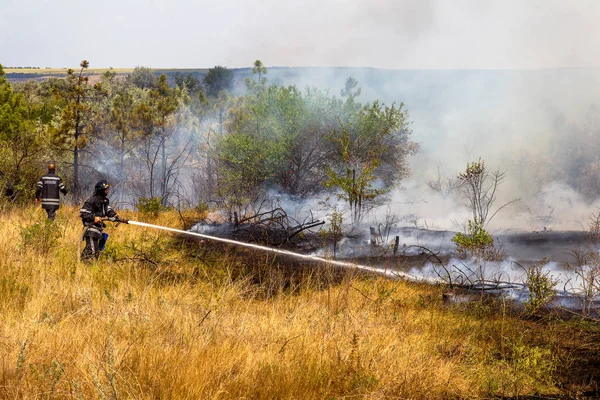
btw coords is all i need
(414, 244)
(551, 245)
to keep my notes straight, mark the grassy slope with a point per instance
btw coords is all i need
(161, 317)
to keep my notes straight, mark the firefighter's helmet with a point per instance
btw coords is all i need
(101, 186)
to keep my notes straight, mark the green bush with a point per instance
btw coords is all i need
(541, 287)
(152, 206)
(40, 237)
(475, 241)
(202, 208)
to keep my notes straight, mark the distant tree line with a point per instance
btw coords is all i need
(192, 142)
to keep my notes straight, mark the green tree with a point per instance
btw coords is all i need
(350, 89)
(12, 109)
(254, 87)
(217, 79)
(244, 164)
(295, 125)
(312, 116)
(187, 81)
(357, 187)
(306, 142)
(142, 77)
(310, 142)
(22, 139)
(372, 145)
(41, 105)
(260, 70)
(76, 125)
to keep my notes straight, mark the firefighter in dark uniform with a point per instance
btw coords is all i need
(94, 209)
(7, 187)
(48, 188)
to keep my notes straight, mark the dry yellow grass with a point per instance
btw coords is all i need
(163, 318)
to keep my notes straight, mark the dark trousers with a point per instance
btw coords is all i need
(51, 213)
(92, 248)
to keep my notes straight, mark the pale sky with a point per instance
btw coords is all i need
(393, 34)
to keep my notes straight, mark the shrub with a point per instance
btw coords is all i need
(541, 287)
(594, 227)
(202, 208)
(40, 237)
(335, 231)
(476, 241)
(586, 267)
(152, 206)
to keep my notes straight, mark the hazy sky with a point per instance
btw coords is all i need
(396, 34)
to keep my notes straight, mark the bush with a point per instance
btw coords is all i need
(335, 231)
(191, 216)
(152, 206)
(476, 241)
(541, 287)
(594, 227)
(40, 237)
(586, 267)
(202, 208)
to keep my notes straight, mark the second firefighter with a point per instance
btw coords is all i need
(92, 213)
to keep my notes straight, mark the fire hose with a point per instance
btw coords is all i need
(380, 271)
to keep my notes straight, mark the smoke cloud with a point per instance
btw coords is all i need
(394, 34)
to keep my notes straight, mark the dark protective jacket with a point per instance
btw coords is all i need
(48, 188)
(7, 187)
(95, 206)
(8, 190)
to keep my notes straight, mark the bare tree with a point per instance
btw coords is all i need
(479, 186)
(176, 156)
(586, 267)
(443, 185)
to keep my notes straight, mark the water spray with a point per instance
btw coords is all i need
(380, 271)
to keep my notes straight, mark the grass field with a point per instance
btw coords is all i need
(161, 316)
